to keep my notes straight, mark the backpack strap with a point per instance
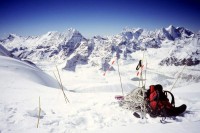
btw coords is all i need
(172, 101)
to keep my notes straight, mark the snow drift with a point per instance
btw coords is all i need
(23, 72)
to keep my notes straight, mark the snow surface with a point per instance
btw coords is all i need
(92, 107)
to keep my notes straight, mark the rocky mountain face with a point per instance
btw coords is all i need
(74, 49)
(4, 52)
(184, 52)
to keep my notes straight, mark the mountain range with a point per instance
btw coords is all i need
(72, 48)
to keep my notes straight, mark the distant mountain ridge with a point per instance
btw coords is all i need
(73, 48)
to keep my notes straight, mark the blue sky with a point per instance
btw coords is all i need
(95, 17)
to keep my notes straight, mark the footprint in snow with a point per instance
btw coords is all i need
(35, 113)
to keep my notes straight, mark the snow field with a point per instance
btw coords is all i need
(92, 106)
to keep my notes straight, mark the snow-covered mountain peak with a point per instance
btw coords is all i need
(99, 38)
(71, 31)
(129, 34)
(163, 34)
(170, 27)
(50, 33)
(173, 32)
(132, 30)
(13, 36)
(55, 36)
(71, 34)
(185, 32)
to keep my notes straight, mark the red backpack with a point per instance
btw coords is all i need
(158, 103)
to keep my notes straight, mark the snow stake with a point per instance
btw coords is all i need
(60, 84)
(39, 113)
